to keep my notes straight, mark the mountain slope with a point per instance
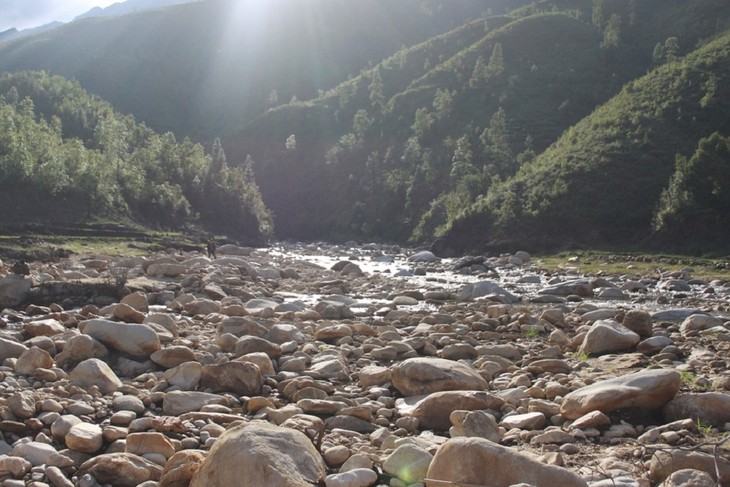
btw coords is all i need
(406, 147)
(67, 158)
(600, 183)
(204, 68)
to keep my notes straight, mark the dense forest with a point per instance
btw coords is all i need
(66, 156)
(472, 125)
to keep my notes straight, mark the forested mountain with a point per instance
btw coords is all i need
(414, 142)
(67, 157)
(478, 124)
(205, 68)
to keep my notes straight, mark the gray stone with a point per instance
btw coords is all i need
(476, 461)
(262, 454)
(650, 389)
(476, 290)
(608, 336)
(423, 375)
(94, 372)
(135, 340)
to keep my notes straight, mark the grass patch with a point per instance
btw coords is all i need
(610, 263)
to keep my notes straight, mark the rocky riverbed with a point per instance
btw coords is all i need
(355, 366)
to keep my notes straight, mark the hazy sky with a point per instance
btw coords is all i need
(23, 14)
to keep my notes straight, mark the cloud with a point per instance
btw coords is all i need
(23, 14)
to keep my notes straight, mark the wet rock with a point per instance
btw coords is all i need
(481, 462)
(263, 455)
(476, 290)
(608, 336)
(120, 469)
(423, 375)
(578, 288)
(423, 256)
(134, 340)
(709, 408)
(94, 372)
(649, 389)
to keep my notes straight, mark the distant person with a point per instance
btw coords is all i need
(211, 249)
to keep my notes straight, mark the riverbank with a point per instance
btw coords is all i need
(369, 359)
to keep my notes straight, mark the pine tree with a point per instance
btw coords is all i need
(377, 98)
(496, 62)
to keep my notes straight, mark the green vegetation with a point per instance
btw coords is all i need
(67, 157)
(606, 263)
(540, 125)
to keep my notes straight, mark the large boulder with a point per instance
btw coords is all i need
(14, 289)
(134, 340)
(649, 389)
(476, 290)
(120, 469)
(425, 375)
(262, 454)
(176, 403)
(476, 461)
(10, 349)
(434, 411)
(709, 408)
(578, 287)
(608, 336)
(94, 372)
(665, 462)
(638, 321)
(241, 378)
(79, 348)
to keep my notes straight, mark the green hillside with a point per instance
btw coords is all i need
(67, 158)
(542, 124)
(204, 68)
(601, 182)
(406, 147)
